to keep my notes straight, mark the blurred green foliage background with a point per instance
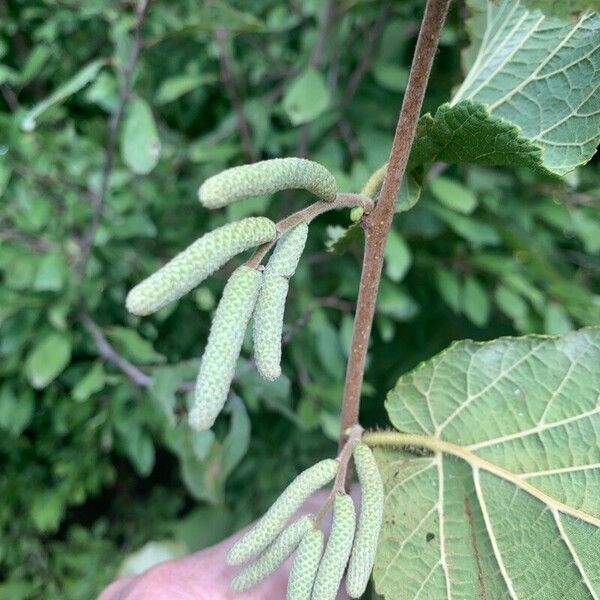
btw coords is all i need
(98, 188)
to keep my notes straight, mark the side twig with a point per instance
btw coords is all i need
(316, 60)
(234, 98)
(111, 139)
(377, 223)
(108, 353)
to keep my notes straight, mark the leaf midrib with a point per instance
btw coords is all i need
(437, 445)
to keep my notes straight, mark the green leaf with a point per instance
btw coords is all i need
(237, 441)
(395, 302)
(511, 303)
(540, 74)
(51, 273)
(466, 132)
(563, 8)
(505, 501)
(475, 302)
(471, 229)
(15, 411)
(307, 97)
(450, 288)
(72, 86)
(134, 346)
(140, 145)
(174, 87)
(453, 195)
(47, 359)
(139, 447)
(398, 257)
(93, 381)
(556, 319)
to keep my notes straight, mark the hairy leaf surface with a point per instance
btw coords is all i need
(507, 503)
(530, 97)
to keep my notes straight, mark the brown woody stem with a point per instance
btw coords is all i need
(377, 223)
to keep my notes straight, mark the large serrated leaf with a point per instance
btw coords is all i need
(507, 503)
(541, 74)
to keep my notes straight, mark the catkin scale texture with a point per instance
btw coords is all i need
(267, 177)
(223, 346)
(197, 262)
(270, 306)
(369, 521)
(287, 252)
(273, 556)
(337, 551)
(304, 569)
(268, 325)
(274, 520)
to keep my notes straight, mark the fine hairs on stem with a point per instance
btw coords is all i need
(377, 223)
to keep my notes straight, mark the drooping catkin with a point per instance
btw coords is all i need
(267, 177)
(223, 346)
(288, 250)
(337, 551)
(270, 306)
(273, 556)
(189, 268)
(369, 521)
(304, 569)
(268, 325)
(274, 520)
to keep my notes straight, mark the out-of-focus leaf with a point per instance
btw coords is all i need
(140, 144)
(51, 273)
(398, 256)
(173, 88)
(556, 319)
(93, 381)
(473, 230)
(450, 288)
(453, 194)
(511, 304)
(72, 86)
(391, 76)
(475, 302)
(134, 346)
(235, 444)
(307, 97)
(47, 359)
(139, 447)
(396, 303)
(15, 410)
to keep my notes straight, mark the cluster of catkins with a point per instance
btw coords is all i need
(260, 293)
(318, 568)
(250, 291)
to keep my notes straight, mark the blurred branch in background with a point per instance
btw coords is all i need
(126, 83)
(228, 80)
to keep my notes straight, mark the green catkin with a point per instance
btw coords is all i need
(287, 252)
(223, 346)
(268, 325)
(337, 551)
(369, 521)
(273, 556)
(270, 306)
(267, 177)
(274, 520)
(304, 569)
(189, 268)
